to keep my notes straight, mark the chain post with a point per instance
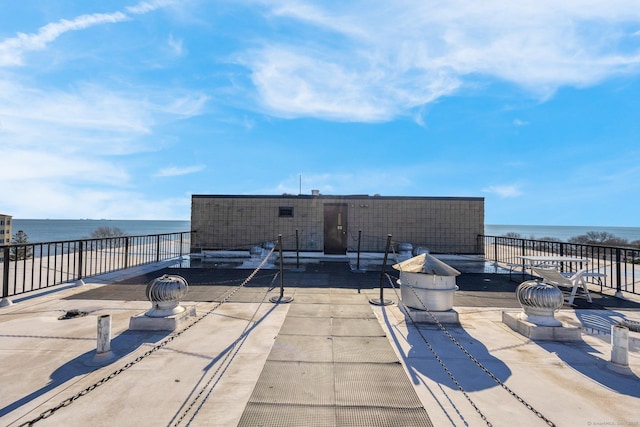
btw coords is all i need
(297, 250)
(281, 266)
(381, 300)
(618, 274)
(281, 298)
(359, 240)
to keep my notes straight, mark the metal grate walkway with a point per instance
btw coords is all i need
(331, 365)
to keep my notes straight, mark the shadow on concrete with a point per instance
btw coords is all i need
(122, 345)
(465, 370)
(425, 340)
(580, 357)
(226, 357)
(599, 321)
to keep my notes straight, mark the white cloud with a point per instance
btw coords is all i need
(56, 144)
(504, 191)
(59, 199)
(388, 182)
(293, 83)
(313, 15)
(175, 46)
(89, 118)
(177, 171)
(63, 145)
(149, 6)
(11, 50)
(248, 123)
(42, 166)
(379, 60)
(518, 122)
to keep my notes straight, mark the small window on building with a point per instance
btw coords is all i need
(285, 211)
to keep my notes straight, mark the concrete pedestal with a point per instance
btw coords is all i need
(103, 355)
(516, 321)
(168, 323)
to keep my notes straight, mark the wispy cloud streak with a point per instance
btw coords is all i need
(13, 49)
(178, 171)
(505, 191)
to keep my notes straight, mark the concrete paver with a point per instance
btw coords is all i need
(206, 375)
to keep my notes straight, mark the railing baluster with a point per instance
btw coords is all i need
(126, 252)
(5, 273)
(33, 265)
(53, 265)
(80, 258)
(24, 267)
(618, 273)
(617, 264)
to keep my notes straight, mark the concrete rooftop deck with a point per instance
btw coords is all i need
(327, 358)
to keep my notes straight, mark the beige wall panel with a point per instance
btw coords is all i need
(443, 225)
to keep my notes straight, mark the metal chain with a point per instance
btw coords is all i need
(234, 346)
(222, 282)
(441, 362)
(70, 400)
(470, 356)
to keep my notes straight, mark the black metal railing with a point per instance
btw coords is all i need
(609, 266)
(32, 266)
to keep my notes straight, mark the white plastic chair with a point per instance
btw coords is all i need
(554, 277)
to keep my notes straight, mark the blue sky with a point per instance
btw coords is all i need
(123, 110)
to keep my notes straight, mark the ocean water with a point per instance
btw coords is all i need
(564, 233)
(52, 230)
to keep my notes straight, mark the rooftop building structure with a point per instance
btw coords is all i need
(334, 224)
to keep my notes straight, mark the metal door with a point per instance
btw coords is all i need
(335, 228)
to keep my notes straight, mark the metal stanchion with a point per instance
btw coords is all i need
(281, 298)
(297, 250)
(359, 240)
(5, 302)
(382, 300)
